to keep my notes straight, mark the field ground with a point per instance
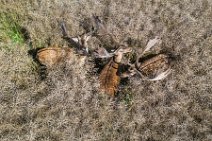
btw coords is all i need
(68, 106)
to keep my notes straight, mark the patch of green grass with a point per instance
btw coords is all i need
(10, 28)
(128, 98)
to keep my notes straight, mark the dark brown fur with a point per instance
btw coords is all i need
(109, 80)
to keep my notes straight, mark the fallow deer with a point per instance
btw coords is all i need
(152, 67)
(53, 56)
(109, 79)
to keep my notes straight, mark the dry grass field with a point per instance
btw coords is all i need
(67, 105)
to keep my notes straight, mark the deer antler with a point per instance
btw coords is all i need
(148, 47)
(102, 53)
(101, 27)
(80, 42)
(72, 41)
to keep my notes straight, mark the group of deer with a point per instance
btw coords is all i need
(152, 68)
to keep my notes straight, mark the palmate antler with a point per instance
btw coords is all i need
(79, 42)
(102, 53)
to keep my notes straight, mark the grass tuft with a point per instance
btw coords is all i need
(10, 28)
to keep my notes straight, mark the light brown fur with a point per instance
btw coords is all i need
(52, 56)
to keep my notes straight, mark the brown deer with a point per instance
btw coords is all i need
(109, 79)
(52, 56)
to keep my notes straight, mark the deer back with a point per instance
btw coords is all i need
(52, 56)
(154, 65)
(109, 80)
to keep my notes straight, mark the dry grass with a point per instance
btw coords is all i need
(67, 105)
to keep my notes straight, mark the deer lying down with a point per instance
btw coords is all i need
(109, 79)
(154, 67)
(52, 56)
